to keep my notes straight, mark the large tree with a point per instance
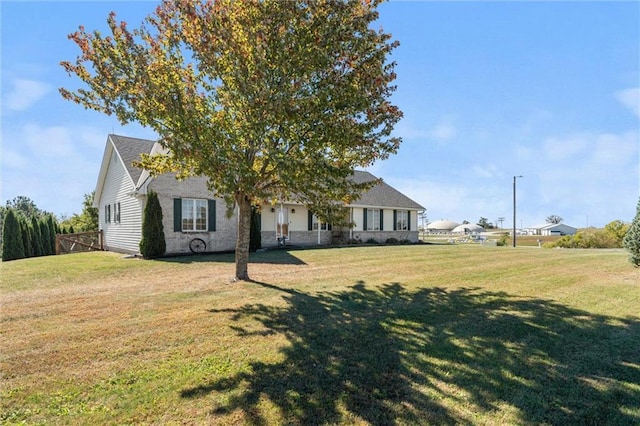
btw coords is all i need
(268, 99)
(554, 218)
(87, 220)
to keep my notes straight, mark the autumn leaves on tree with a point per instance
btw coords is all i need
(270, 100)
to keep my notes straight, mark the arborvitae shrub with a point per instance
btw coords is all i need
(26, 236)
(44, 235)
(152, 244)
(12, 243)
(255, 239)
(631, 239)
(53, 230)
(36, 237)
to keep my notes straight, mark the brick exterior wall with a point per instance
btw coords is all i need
(168, 188)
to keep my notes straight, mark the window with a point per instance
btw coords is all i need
(316, 223)
(402, 220)
(107, 213)
(116, 212)
(191, 214)
(194, 215)
(372, 220)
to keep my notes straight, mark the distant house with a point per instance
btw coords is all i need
(552, 229)
(191, 211)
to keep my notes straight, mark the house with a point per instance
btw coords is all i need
(552, 229)
(192, 213)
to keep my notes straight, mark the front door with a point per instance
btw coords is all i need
(282, 224)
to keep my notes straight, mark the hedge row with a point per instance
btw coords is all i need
(27, 238)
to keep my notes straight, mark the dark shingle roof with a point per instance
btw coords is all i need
(382, 195)
(130, 150)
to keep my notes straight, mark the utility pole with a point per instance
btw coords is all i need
(514, 209)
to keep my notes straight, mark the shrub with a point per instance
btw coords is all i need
(392, 241)
(255, 238)
(44, 235)
(153, 243)
(503, 240)
(12, 243)
(609, 237)
(53, 230)
(631, 240)
(26, 236)
(36, 237)
(372, 241)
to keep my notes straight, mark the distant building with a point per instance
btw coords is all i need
(552, 229)
(467, 228)
(442, 226)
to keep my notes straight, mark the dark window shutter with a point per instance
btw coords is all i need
(408, 220)
(381, 219)
(328, 227)
(310, 221)
(177, 214)
(364, 220)
(212, 215)
(395, 220)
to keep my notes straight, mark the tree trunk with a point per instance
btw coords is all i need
(243, 236)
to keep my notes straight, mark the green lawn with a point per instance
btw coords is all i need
(426, 334)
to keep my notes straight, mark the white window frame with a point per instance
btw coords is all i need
(402, 220)
(315, 221)
(190, 214)
(373, 220)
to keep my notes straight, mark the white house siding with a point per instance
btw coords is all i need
(123, 236)
(168, 188)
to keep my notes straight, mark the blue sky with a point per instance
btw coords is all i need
(489, 90)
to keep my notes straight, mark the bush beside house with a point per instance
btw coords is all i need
(152, 244)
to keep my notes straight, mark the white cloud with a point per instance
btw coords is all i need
(566, 147)
(455, 201)
(487, 171)
(597, 186)
(615, 150)
(630, 98)
(52, 165)
(24, 93)
(444, 131)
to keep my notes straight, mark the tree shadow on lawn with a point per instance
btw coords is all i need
(276, 257)
(388, 355)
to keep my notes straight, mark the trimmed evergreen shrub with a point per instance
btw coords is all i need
(36, 237)
(12, 243)
(26, 236)
(44, 235)
(255, 238)
(631, 239)
(53, 230)
(152, 244)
